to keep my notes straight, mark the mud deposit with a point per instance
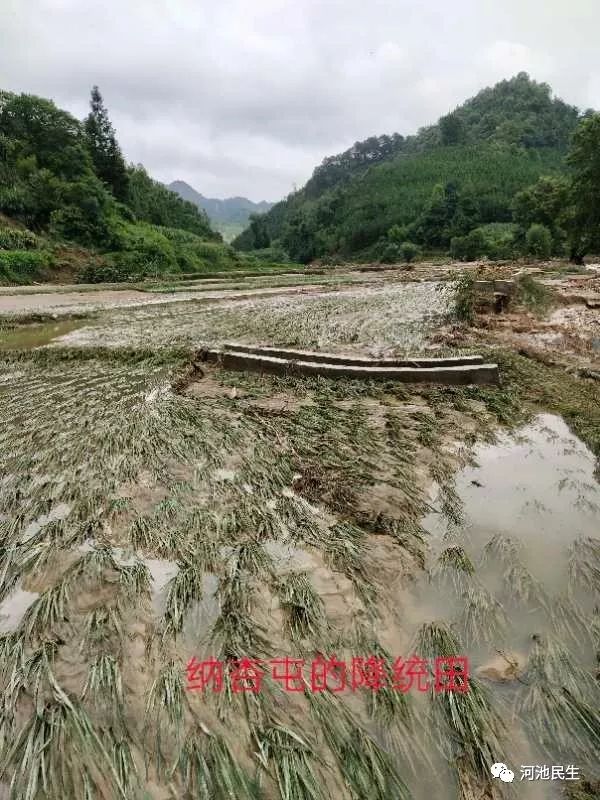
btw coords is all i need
(153, 509)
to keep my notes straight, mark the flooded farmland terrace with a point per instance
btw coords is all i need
(143, 525)
(396, 317)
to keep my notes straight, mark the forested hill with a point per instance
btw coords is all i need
(69, 204)
(440, 184)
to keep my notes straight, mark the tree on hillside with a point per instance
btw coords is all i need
(448, 214)
(584, 159)
(104, 148)
(433, 222)
(152, 202)
(452, 129)
(46, 172)
(33, 127)
(544, 203)
(539, 241)
(260, 232)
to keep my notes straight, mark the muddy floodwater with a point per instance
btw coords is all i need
(527, 502)
(536, 485)
(27, 337)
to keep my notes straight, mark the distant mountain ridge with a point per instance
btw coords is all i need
(231, 210)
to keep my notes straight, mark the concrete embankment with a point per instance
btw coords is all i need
(443, 371)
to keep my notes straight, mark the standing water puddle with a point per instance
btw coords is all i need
(524, 561)
(27, 337)
(537, 487)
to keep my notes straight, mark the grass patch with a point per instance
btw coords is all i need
(533, 295)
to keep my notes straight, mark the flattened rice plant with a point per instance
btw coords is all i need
(471, 731)
(146, 534)
(483, 618)
(561, 721)
(183, 590)
(125, 766)
(397, 724)
(58, 753)
(584, 564)
(569, 621)
(502, 549)
(368, 770)
(165, 710)
(48, 611)
(302, 607)
(36, 676)
(209, 771)
(248, 558)
(134, 581)
(454, 568)
(344, 547)
(522, 588)
(292, 759)
(235, 634)
(104, 689)
(550, 661)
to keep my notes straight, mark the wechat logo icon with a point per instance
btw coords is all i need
(501, 771)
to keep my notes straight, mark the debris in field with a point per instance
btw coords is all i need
(503, 668)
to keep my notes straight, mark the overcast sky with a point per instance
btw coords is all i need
(242, 97)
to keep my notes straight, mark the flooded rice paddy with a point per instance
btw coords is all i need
(142, 525)
(513, 579)
(397, 318)
(26, 337)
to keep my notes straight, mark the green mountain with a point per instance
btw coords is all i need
(229, 216)
(69, 204)
(447, 180)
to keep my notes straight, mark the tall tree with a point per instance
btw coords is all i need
(584, 159)
(104, 148)
(258, 226)
(546, 203)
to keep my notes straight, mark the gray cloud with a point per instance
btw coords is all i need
(246, 98)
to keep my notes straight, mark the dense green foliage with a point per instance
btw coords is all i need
(144, 249)
(65, 183)
(17, 239)
(518, 111)
(435, 188)
(152, 202)
(496, 241)
(584, 222)
(544, 203)
(565, 210)
(434, 196)
(23, 266)
(539, 241)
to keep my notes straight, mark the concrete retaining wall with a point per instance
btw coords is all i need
(448, 375)
(489, 287)
(351, 361)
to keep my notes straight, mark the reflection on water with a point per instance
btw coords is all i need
(531, 508)
(26, 337)
(13, 608)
